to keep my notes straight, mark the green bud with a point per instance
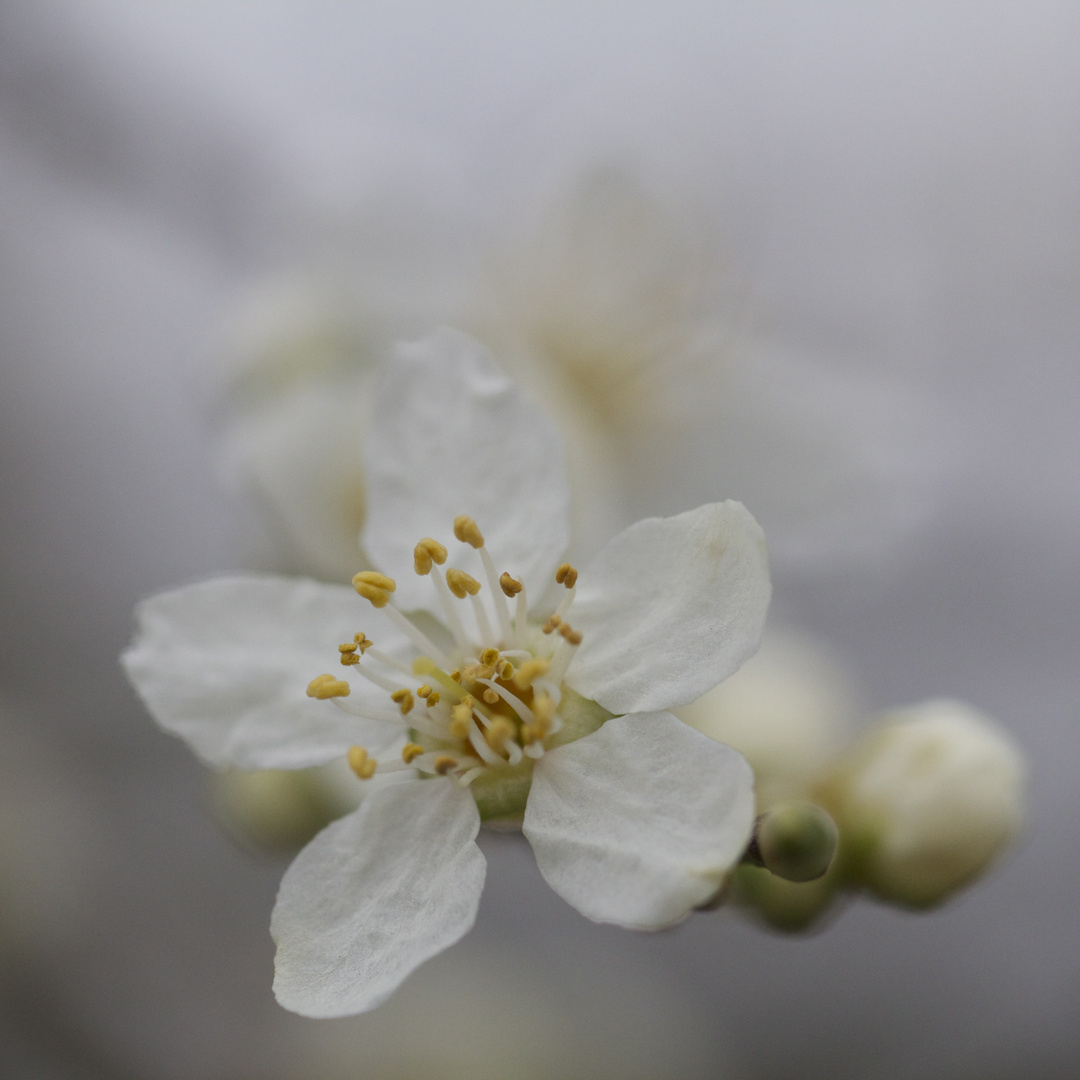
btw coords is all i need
(794, 840)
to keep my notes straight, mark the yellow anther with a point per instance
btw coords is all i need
(423, 691)
(326, 686)
(571, 635)
(410, 752)
(479, 671)
(490, 696)
(552, 624)
(425, 553)
(455, 675)
(543, 714)
(461, 718)
(499, 733)
(509, 585)
(349, 658)
(433, 698)
(373, 586)
(467, 531)
(443, 764)
(403, 700)
(363, 642)
(360, 763)
(566, 575)
(348, 647)
(531, 669)
(505, 670)
(489, 657)
(462, 584)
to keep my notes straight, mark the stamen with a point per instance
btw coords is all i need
(349, 658)
(373, 586)
(444, 763)
(462, 584)
(404, 700)
(570, 634)
(479, 744)
(483, 624)
(453, 620)
(360, 763)
(418, 637)
(531, 669)
(566, 575)
(433, 699)
(423, 691)
(499, 732)
(425, 553)
(390, 661)
(511, 699)
(490, 696)
(461, 718)
(509, 586)
(326, 686)
(560, 659)
(362, 642)
(410, 752)
(521, 618)
(467, 531)
(552, 624)
(489, 657)
(468, 777)
(502, 613)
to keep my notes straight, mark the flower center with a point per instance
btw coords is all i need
(486, 704)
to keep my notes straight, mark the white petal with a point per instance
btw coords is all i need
(225, 664)
(641, 821)
(670, 608)
(451, 435)
(375, 895)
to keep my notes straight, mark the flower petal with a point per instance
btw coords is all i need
(641, 821)
(670, 608)
(225, 665)
(451, 435)
(375, 895)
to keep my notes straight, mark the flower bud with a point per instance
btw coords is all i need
(926, 800)
(795, 841)
(785, 710)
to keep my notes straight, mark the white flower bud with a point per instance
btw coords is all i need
(785, 710)
(926, 800)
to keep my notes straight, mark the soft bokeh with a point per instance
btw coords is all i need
(894, 193)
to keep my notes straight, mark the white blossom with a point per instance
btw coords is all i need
(476, 690)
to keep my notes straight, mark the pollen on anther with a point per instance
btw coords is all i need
(403, 699)
(363, 642)
(426, 552)
(373, 586)
(552, 624)
(443, 764)
(571, 635)
(410, 752)
(531, 669)
(462, 584)
(326, 686)
(423, 691)
(467, 531)
(566, 575)
(498, 734)
(360, 763)
(489, 657)
(490, 696)
(509, 585)
(433, 699)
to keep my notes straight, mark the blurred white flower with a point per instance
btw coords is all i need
(927, 799)
(787, 710)
(613, 307)
(634, 820)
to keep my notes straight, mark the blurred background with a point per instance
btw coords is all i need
(865, 220)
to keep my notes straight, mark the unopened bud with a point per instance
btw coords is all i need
(794, 840)
(926, 800)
